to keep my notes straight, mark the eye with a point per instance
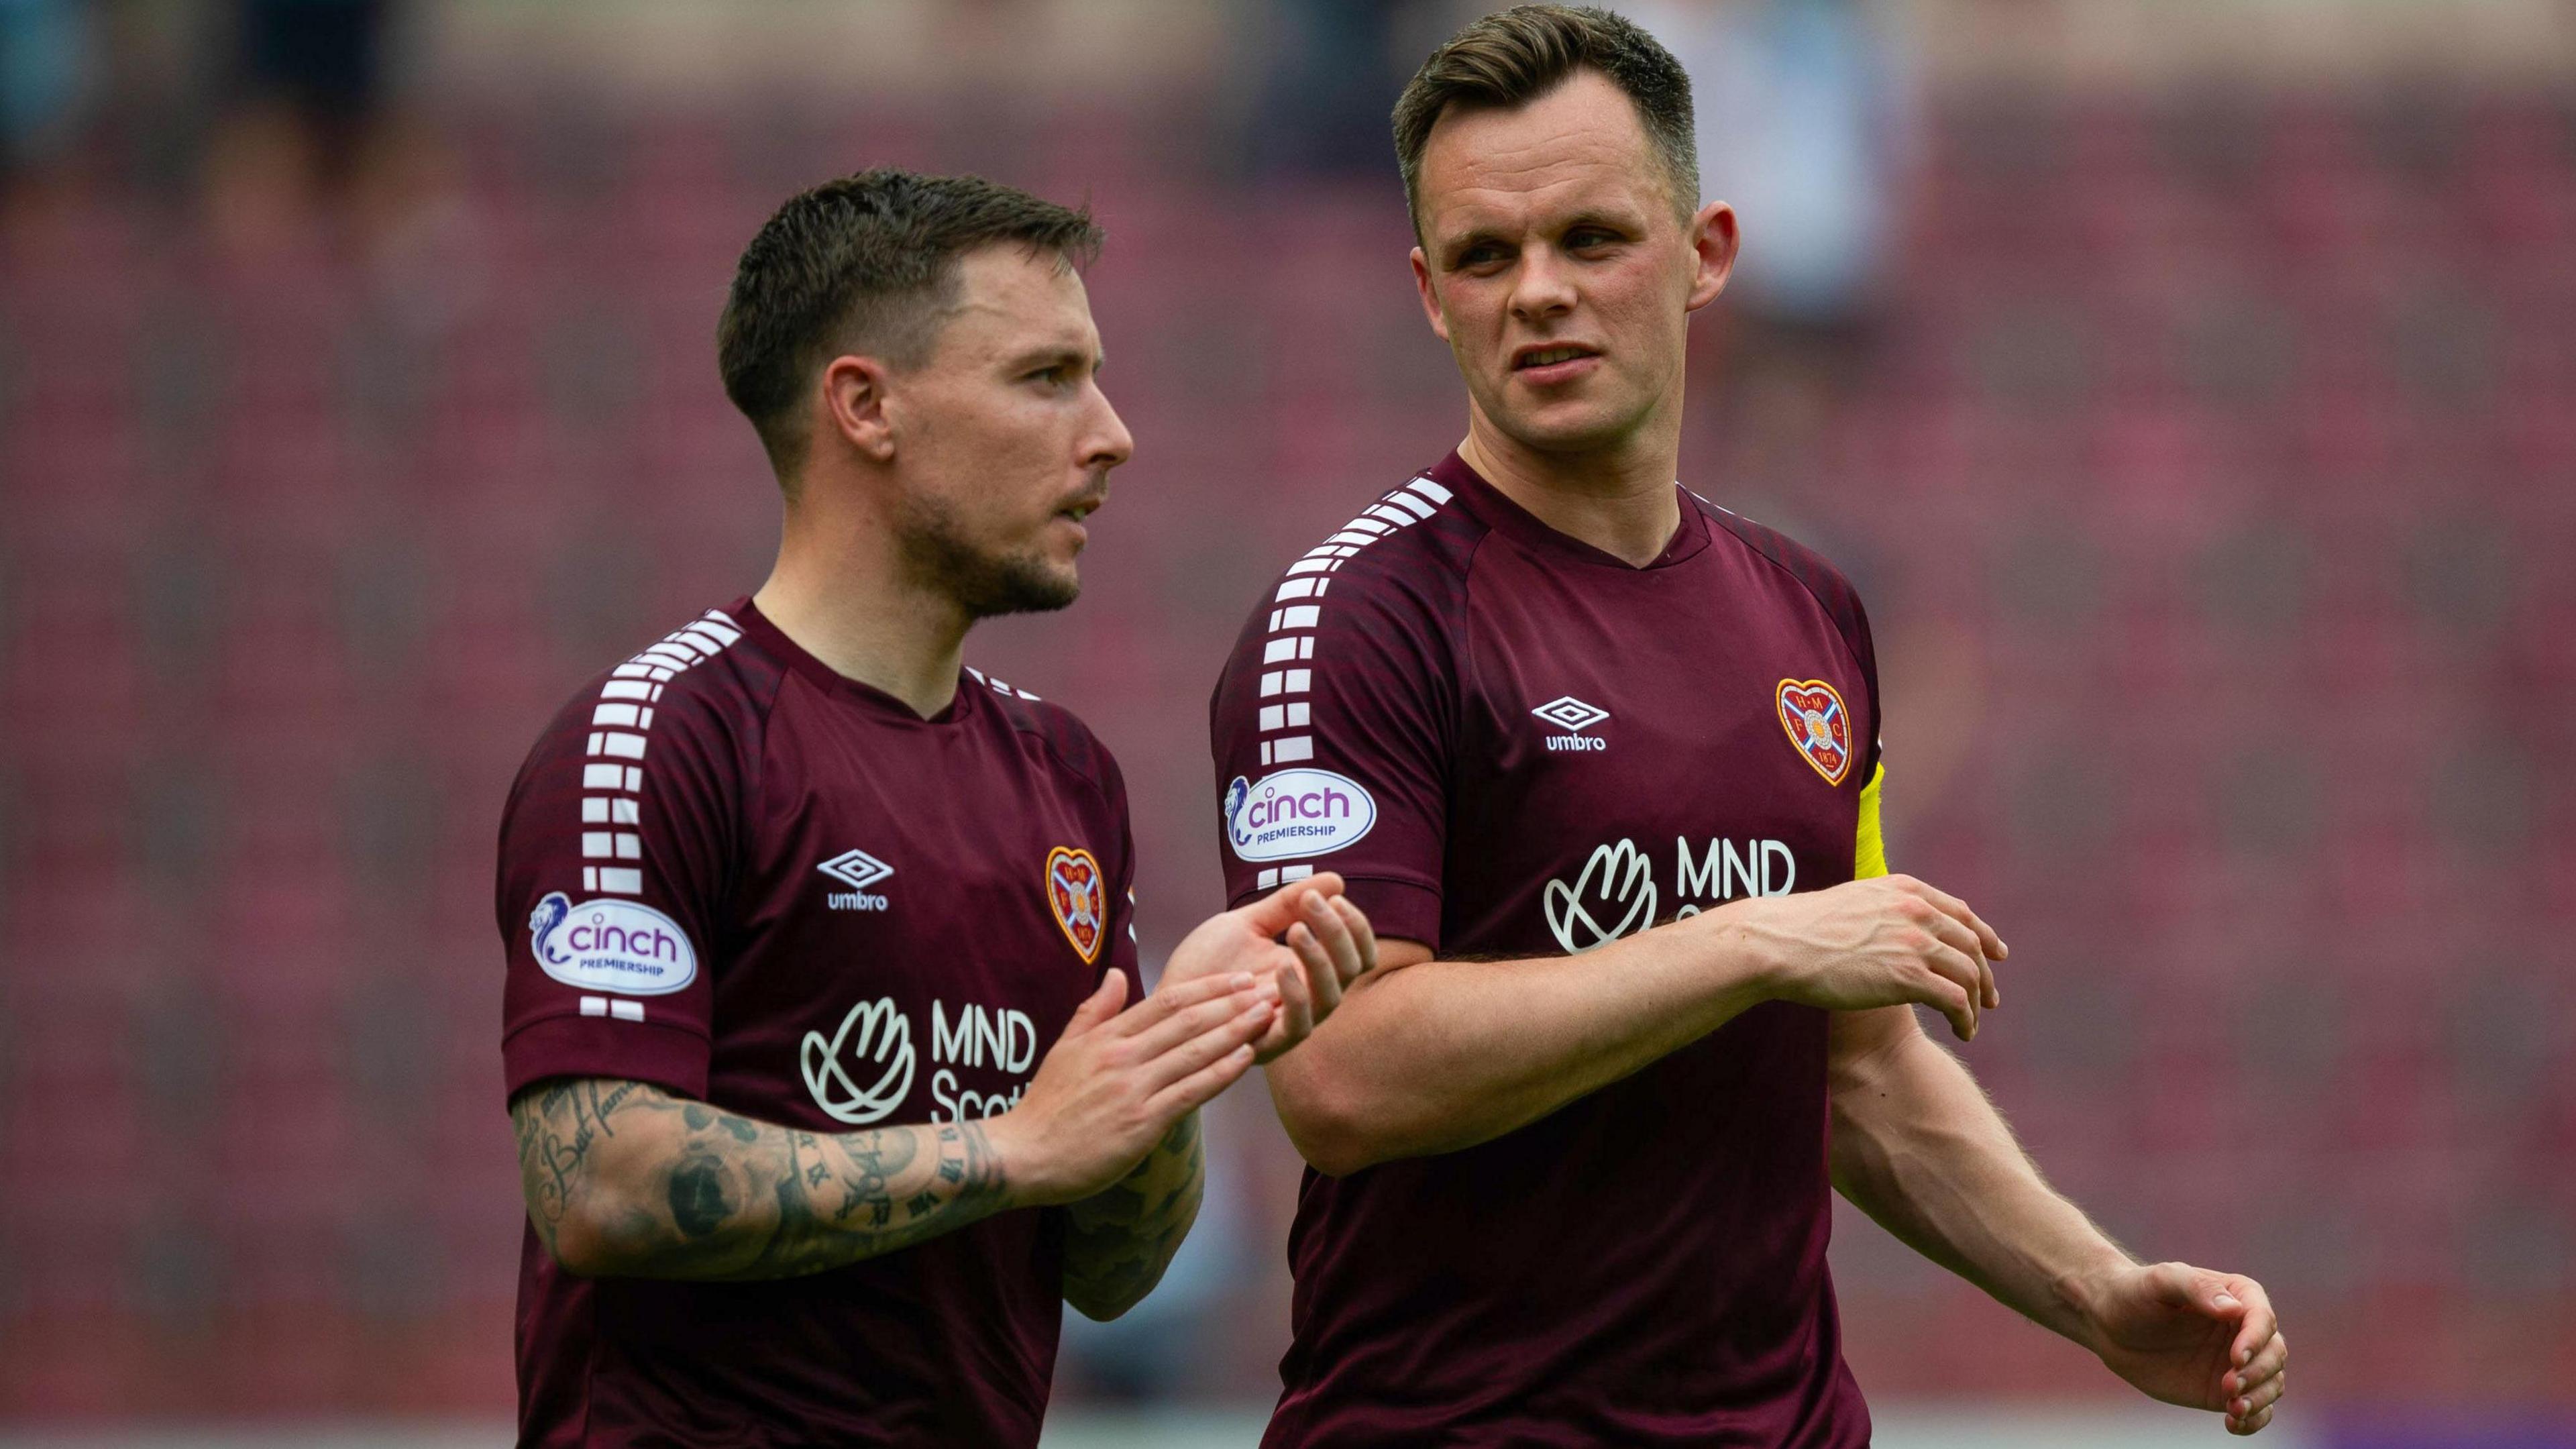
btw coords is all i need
(1583, 238)
(1481, 254)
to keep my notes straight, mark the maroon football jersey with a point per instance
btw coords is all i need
(731, 872)
(1511, 744)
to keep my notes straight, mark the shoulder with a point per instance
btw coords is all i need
(1400, 564)
(698, 696)
(1803, 566)
(1057, 733)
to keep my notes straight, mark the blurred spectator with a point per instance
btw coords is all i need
(322, 58)
(45, 69)
(1803, 118)
(1328, 75)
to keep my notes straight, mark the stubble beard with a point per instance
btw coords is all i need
(940, 555)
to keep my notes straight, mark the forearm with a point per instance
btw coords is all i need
(625, 1179)
(1918, 1147)
(1442, 1055)
(1122, 1239)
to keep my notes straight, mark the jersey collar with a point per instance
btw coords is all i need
(1497, 511)
(839, 686)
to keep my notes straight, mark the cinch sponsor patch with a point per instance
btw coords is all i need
(1295, 813)
(611, 945)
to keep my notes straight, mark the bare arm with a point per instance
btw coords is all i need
(1429, 1056)
(1918, 1147)
(625, 1178)
(1121, 1240)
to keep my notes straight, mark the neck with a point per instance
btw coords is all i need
(841, 593)
(1618, 498)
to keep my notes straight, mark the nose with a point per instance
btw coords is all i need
(1543, 286)
(1106, 443)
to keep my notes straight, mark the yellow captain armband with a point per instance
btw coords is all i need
(1869, 847)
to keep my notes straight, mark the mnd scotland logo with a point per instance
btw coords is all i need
(1616, 885)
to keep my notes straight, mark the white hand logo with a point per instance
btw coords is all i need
(884, 1036)
(1626, 884)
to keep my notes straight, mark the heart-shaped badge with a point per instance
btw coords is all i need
(1818, 725)
(1074, 892)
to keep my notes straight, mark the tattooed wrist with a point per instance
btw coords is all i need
(1122, 1238)
(624, 1178)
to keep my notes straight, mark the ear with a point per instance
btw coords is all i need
(1713, 242)
(1430, 299)
(854, 399)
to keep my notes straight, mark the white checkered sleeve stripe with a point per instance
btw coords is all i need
(621, 739)
(1297, 610)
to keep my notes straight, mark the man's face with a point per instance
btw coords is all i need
(1557, 267)
(1008, 438)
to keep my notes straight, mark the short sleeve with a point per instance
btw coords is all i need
(616, 855)
(1331, 731)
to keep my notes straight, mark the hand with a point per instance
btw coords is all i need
(1887, 941)
(1329, 944)
(2192, 1337)
(1116, 1081)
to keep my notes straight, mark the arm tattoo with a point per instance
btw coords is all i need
(648, 1184)
(1122, 1238)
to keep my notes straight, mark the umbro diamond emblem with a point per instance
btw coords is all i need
(1574, 717)
(858, 870)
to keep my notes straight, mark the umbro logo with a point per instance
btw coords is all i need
(1574, 717)
(858, 870)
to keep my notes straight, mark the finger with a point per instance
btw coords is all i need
(2258, 1326)
(2268, 1361)
(1320, 969)
(1296, 1020)
(1178, 996)
(1100, 1005)
(1958, 936)
(1242, 1030)
(1276, 911)
(1957, 910)
(1200, 1087)
(1947, 997)
(1342, 954)
(1333, 932)
(2261, 1396)
(1190, 1022)
(1959, 971)
(2253, 1425)
(1363, 935)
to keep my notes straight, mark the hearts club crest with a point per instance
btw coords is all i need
(1818, 725)
(1079, 898)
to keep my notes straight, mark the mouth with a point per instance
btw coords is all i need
(1080, 508)
(1553, 361)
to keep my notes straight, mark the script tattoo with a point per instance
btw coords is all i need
(664, 1187)
(1122, 1238)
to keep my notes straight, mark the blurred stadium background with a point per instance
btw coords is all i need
(2190, 385)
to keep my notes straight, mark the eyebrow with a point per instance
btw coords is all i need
(1056, 355)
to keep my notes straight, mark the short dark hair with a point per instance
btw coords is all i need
(1512, 57)
(865, 263)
